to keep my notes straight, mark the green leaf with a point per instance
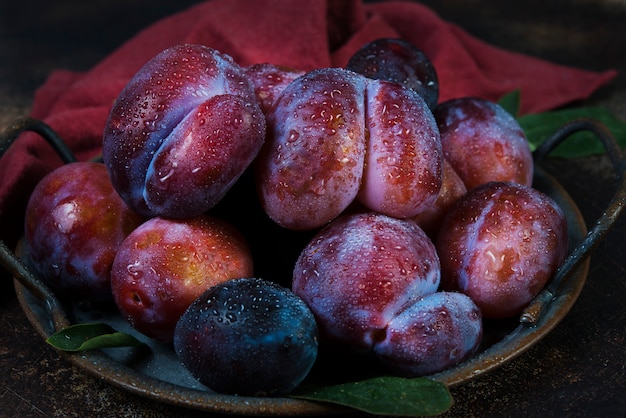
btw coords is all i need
(538, 127)
(81, 337)
(386, 395)
(511, 102)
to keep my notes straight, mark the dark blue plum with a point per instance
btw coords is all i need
(398, 61)
(248, 337)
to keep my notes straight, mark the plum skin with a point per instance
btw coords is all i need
(164, 264)
(335, 137)
(361, 270)
(74, 223)
(182, 131)
(500, 244)
(437, 332)
(269, 81)
(403, 170)
(309, 169)
(483, 142)
(248, 336)
(398, 61)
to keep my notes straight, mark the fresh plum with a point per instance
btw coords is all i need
(435, 333)
(483, 142)
(399, 61)
(336, 137)
(362, 270)
(182, 131)
(249, 337)
(74, 223)
(403, 164)
(269, 80)
(500, 244)
(311, 165)
(165, 264)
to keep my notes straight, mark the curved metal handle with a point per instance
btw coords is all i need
(535, 309)
(8, 259)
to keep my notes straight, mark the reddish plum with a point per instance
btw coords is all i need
(483, 142)
(335, 137)
(269, 81)
(74, 223)
(435, 333)
(311, 166)
(165, 264)
(361, 271)
(371, 281)
(398, 61)
(403, 168)
(248, 336)
(182, 131)
(500, 244)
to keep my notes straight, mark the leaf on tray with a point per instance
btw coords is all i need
(91, 336)
(386, 395)
(539, 126)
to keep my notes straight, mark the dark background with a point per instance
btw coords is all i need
(578, 370)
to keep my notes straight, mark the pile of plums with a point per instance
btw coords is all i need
(397, 222)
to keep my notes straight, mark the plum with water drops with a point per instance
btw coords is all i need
(310, 167)
(500, 244)
(248, 336)
(182, 131)
(357, 273)
(372, 283)
(335, 137)
(74, 224)
(483, 142)
(165, 264)
(269, 81)
(437, 332)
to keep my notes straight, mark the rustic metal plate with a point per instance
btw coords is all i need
(156, 373)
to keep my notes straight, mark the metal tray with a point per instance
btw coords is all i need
(156, 373)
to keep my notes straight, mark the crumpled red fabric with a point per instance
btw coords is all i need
(303, 35)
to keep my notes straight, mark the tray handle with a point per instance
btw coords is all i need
(8, 259)
(534, 311)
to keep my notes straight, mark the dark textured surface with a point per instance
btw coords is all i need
(578, 370)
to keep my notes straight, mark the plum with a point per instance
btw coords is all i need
(436, 332)
(372, 283)
(310, 168)
(483, 142)
(165, 264)
(182, 131)
(500, 244)
(360, 271)
(335, 137)
(74, 223)
(269, 81)
(248, 336)
(399, 61)
(404, 161)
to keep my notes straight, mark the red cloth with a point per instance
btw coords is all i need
(299, 34)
